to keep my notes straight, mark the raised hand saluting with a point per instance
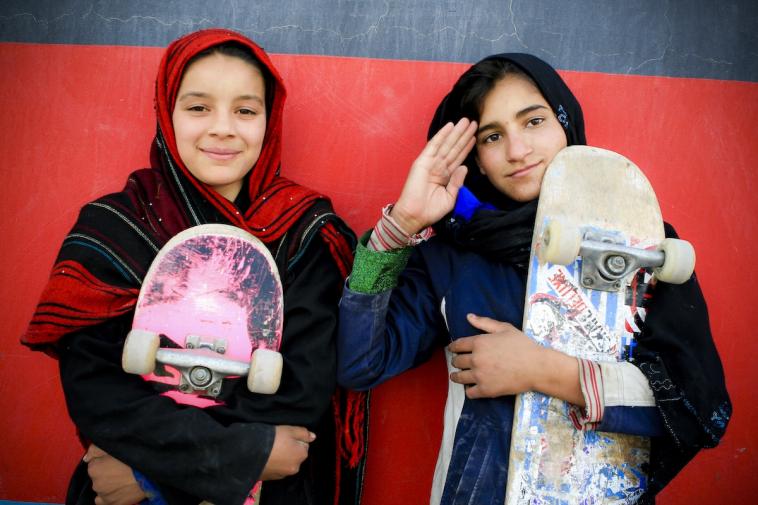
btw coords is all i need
(435, 177)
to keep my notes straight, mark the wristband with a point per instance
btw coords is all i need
(389, 235)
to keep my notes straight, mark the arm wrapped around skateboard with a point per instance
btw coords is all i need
(176, 446)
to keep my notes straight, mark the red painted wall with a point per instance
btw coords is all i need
(77, 119)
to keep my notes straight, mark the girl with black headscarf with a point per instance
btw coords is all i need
(476, 183)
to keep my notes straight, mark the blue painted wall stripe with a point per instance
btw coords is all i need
(678, 38)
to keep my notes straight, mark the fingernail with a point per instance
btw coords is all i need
(86, 457)
(312, 436)
(471, 316)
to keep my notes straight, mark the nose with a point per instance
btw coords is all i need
(222, 125)
(517, 147)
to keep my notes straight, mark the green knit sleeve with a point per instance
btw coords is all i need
(375, 272)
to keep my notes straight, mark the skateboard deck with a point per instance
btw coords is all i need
(598, 238)
(210, 308)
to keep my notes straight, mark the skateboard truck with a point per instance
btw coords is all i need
(607, 261)
(205, 378)
(200, 364)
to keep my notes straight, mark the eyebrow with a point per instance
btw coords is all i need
(523, 112)
(250, 97)
(193, 94)
(200, 94)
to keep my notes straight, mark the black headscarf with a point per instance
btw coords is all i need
(486, 220)
(675, 350)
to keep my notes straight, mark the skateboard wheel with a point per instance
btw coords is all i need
(265, 371)
(678, 261)
(560, 243)
(139, 353)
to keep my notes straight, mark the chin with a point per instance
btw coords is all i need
(523, 194)
(519, 196)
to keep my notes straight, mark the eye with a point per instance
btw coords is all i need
(493, 137)
(197, 108)
(247, 112)
(535, 121)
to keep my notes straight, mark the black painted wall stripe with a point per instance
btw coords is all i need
(679, 38)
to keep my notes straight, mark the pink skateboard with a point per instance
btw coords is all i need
(210, 307)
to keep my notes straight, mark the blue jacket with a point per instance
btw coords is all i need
(382, 335)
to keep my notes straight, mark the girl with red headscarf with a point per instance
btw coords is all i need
(215, 159)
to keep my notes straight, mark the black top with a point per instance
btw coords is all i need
(221, 450)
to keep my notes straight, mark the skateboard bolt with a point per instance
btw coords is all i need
(220, 345)
(587, 281)
(616, 264)
(200, 376)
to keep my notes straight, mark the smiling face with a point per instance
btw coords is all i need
(518, 137)
(220, 121)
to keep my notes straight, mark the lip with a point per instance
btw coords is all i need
(523, 172)
(219, 153)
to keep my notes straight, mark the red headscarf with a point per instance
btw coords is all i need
(103, 260)
(272, 211)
